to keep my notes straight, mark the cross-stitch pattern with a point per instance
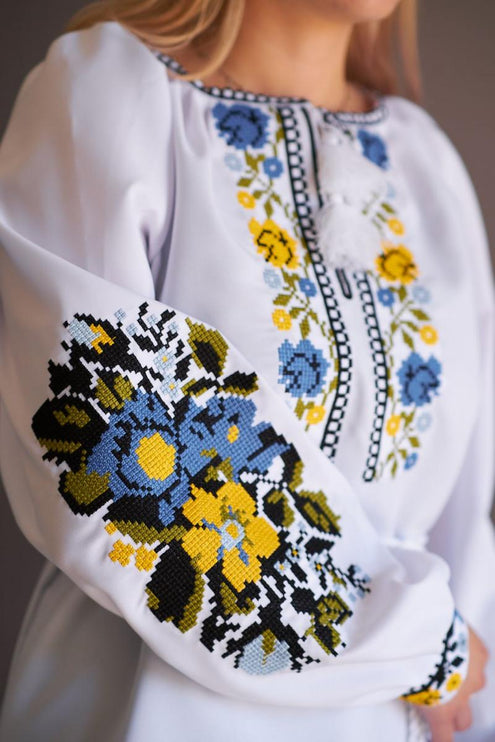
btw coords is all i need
(149, 429)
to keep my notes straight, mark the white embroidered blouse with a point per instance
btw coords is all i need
(246, 407)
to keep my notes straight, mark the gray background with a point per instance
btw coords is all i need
(458, 59)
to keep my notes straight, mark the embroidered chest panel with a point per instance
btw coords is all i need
(271, 185)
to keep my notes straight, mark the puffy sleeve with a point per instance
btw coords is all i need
(464, 533)
(147, 458)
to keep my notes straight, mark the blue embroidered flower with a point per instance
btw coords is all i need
(302, 368)
(411, 460)
(421, 294)
(373, 148)
(225, 427)
(140, 452)
(242, 126)
(233, 162)
(386, 297)
(273, 167)
(423, 422)
(419, 379)
(307, 287)
(256, 660)
(272, 278)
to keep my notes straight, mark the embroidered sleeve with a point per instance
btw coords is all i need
(148, 459)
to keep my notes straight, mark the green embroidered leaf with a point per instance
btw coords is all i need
(231, 602)
(393, 470)
(388, 208)
(411, 325)
(244, 182)
(208, 346)
(414, 441)
(402, 293)
(333, 384)
(300, 408)
(393, 327)
(279, 135)
(295, 311)
(276, 506)
(408, 418)
(315, 508)
(304, 327)
(85, 492)
(419, 314)
(252, 161)
(408, 339)
(268, 208)
(240, 383)
(403, 453)
(282, 300)
(257, 194)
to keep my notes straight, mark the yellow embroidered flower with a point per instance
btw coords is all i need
(396, 263)
(453, 682)
(246, 200)
(145, 558)
(427, 697)
(275, 244)
(315, 414)
(393, 425)
(282, 319)
(428, 334)
(396, 226)
(226, 529)
(121, 552)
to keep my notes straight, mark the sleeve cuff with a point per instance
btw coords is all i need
(450, 670)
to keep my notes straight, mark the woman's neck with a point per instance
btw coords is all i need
(283, 51)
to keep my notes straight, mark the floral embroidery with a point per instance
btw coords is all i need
(373, 147)
(449, 670)
(309, 362)
(242, 126)
(396, 263)
(153, 430)
(419, 380)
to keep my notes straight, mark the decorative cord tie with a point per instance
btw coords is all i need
(349, 184)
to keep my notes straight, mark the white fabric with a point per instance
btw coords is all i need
(119, 186)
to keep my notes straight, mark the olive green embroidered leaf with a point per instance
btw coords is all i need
(72, 415)
(269, 642)
(268, 208)
(208, 346)
(299, 408)
(333, 384)
(144, 534)
(114, 397)
(408, 339)
(84, 491)
(197, 387)
(304, 327)
(315, 508)
(253, 161)
(414, 441)
(257, 194)
(282, 300)
(419, 314)
(403, 453)
(277, 508)
(402, 293)
(394, 468)
(411, 325)
(240, 383)
(295, 312)
(388, 208)
(279, 135)
(244, 182)
(231, 603)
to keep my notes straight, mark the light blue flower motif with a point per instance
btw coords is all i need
(423, 422)
(273, 167)
(233, 162)
(303, 368)
(421, 294)
(386, 297)
(307, 287)
(255, 661)
(411, 460)
(272, 278)
(419, 379)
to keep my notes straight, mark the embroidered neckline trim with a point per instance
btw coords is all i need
(375, 115)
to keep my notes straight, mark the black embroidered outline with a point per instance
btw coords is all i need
(378, 113)
(380, 373)
(299, 186)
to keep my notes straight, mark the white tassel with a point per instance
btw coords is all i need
(348, 183)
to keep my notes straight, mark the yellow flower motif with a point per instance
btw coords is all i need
(396, 263)
(315, 414)
(275, 244)
(246, 200)
(145, 558)
(121, 553)
(427, 697)
(226, 529)
(428, 334)
(393, 425)
(396, 226)
(453, 682)
(282, 319)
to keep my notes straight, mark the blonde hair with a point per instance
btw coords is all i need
(382, 54)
